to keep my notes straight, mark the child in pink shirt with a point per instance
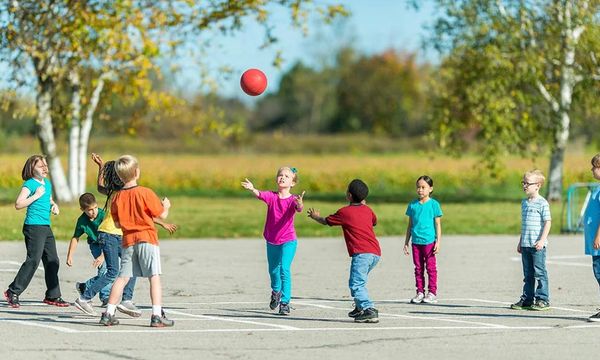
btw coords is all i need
(280, 234)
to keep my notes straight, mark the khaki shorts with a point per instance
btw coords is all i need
(140, 260)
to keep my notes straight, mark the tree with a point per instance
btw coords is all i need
(58, 42)
(511, 74)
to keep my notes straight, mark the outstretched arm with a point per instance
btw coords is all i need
(316, 216)
(247, 184)
(171, 228)
(98, 160)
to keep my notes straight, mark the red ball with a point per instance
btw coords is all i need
(253, 82)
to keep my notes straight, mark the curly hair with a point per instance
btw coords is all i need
(112, 181)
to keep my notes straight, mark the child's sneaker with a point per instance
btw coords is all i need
(12, 299)
(520, 305)
(80, 287)
(430, 298)
(85, 306)
(161, 321)
(369, 315)
(595, 318)
(129, 308)
(284, 309)
(354, 313)
(108, 320)
(540, 305)
(56, 302)
(275, 298)
(417, 299)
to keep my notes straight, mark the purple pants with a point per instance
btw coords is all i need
(424, 258)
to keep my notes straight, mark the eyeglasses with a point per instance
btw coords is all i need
(524, 183)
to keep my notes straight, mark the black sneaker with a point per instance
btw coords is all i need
(56, 302)
(520, 305)
(80, 288)
(354, 313)
(284, 309)
(369, 315)
(161, 321)
(12, 299)
(108, 320)
(104, 303)
(275, 298)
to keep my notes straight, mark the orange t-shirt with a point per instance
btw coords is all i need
(133, 209)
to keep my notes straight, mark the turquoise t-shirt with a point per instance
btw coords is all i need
(423, 220)
(89, 227)
(38, 212)
(591, 220)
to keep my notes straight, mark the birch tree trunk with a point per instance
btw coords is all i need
(74, 135)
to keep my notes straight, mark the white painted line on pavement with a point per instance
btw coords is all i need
(37, 324)
(283, 327)
(508, 303)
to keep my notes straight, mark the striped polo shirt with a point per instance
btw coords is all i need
(534, 213)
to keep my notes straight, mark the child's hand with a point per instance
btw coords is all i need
(406, 252)
(166, 202)
(539, 245)
(55, 210)
(299, 203)
(98, 261)
(519, 247)
(40, 191)
(246, 184)
(313, 213)
(69, 261)
(597, 243)
(436, 248)
(171, 228)
(97, 159)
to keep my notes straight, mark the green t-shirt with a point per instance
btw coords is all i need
(89, 227)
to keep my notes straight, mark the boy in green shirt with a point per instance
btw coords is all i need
(88, 224)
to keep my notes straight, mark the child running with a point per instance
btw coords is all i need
(280, 234)
(88, 224)
(357, 221)
(535, 227)
(36, 196)
(591, 225)
(425, 230)
(133, 210)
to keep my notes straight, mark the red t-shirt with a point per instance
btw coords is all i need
(134, 209)
(357, 222)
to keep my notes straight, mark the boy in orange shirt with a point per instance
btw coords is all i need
(133, 209)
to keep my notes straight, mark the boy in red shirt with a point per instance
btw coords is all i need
(133, 209)
(357, 221)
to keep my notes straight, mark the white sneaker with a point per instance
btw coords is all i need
(595, 318)
(430, 299)
(85, 306)
(417, 299)
(129, 308)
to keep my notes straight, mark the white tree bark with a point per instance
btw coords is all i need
(74, 135)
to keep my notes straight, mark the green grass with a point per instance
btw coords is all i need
(200, 217)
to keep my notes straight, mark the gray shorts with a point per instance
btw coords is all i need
(140, 260)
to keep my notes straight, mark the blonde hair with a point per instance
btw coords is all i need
(125, 167)
(293, 170)
(537, 175)
(596, 160)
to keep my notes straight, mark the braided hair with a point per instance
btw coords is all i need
(112, 181)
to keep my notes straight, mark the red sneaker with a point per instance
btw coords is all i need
(12, 299)
(56, 302)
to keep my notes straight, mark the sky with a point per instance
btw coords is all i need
(373, 26)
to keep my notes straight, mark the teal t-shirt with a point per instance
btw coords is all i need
(38, 212)
(591, 221)
(89, 227)
(423, 220)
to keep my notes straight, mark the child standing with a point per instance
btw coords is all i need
(280, 234)
(357, 221)
(88, 224)
(591, 225)
(109, 236)
(36, 196)
(425, 230)
(133, 209)
(535, 227)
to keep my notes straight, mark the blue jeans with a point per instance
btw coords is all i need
(360, 267)
(280, 259)
(96, 250)
(596, 267)
(534, 269)
(111, 247)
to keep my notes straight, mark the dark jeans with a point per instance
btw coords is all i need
(596, 267)
(111, 247)
(40, 245)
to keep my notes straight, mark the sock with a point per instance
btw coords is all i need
(157, 310)
(111, 308)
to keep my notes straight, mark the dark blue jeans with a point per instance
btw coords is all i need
(596, 267)
(111, 247)
(534, 269)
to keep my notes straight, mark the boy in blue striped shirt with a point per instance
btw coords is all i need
(535, 226)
